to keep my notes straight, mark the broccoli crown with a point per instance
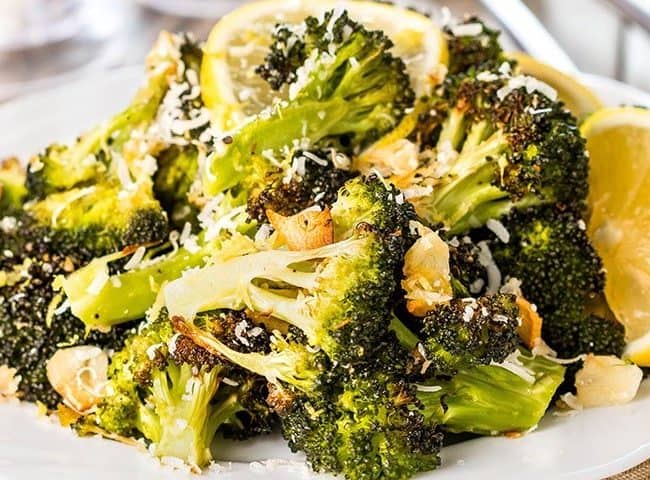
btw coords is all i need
(338, 294)
(148, 392)
(317, 185)
(100, 219)
(350, 95)
(31, 331)
(491, 399)
(549, 251)
(369, 429)
(509, 145)
(466, 332)
(473, 53)
(12, 185)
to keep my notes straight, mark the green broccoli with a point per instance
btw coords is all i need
(503, 143)
(349, 96)
(560, 271)
(336, 294)
(493, 399)
(94, 154)
(177, 394)
(473, 53)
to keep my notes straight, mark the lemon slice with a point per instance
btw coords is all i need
(579, 99)
(239, 42)
(638, 351)
(618, 140)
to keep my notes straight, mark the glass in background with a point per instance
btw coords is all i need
(45, 41)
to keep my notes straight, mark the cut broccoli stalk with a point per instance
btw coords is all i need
(336, 294)
(492, 400)
(182, 423)
(359, 92)
(102, 301)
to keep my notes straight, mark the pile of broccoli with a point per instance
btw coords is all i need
(273, 277)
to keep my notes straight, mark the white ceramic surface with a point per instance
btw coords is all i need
(588, 446)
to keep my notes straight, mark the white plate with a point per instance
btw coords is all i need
(591, 445)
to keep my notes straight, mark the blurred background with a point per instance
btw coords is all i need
(44, 42)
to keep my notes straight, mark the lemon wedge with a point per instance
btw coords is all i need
(618, 140)
(239, 42)
(579, 99)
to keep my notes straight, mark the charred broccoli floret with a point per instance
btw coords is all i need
(31, 330)
(351, 95)
(467, 331)
(177, 394)
(560, 271)
(473, 47)
(317, 184)
(504, 143)
(337, 294)
(371, 429)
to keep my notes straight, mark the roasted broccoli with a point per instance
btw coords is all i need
(502, 143)
(560, 271)
(349, 95)
(493, 399)
(337, 294)
(31, 329)
(473, 47)
(177, 394)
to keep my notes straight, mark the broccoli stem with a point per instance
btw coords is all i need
(491, 400)
(284, 126)
(126, 296)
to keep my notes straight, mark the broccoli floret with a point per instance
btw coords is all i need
(508, 145)
(560, 271)
(317, 185)
(492, 400)
(336, 294)
(473, 53)
(31, 331)
(12, 185)
(467, 331)
(351, 95)
(371, 429)
(148, 385)
(99, 219)
(94, 154)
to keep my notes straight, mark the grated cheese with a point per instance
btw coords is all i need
(467, 30)
(136, 259)
(498, 229)
(493, 272)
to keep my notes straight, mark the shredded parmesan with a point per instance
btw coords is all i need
(467, 30)
(493, 272)
(498, 229)
(428, 388)
(136, 259)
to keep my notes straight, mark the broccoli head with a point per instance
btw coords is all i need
(33, 326)
(467, 331)
(349, 95)
(549, 251)
(502, 143)
(471, 53)
(177, 394)
(336, 294)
